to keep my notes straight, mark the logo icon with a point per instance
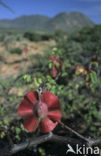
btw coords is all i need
(82, 150)
(70, 149)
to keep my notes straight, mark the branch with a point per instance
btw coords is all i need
(44, 138)
(6, 6)
(73, 131)
(93, 142)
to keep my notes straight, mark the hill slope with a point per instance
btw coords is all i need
(62, 21)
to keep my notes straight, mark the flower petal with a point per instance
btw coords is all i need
(25, 108)
(55, 115)
(51, 100)
(47, 125)
(31, 123)
(32, 96)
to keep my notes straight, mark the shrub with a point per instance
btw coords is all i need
(32, 36)
(37, 37)
(46, 37)
(2, 37)
(16, 51)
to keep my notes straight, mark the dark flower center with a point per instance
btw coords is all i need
(41, 110)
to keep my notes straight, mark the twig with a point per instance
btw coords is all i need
(93, 142)
(6, 6)
(73, 131)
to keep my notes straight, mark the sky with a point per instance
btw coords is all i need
(91, 8)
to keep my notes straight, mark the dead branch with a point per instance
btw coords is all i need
(47, 137)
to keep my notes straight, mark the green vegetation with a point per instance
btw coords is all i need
(32, 36)
(16, 51)
(80, 99)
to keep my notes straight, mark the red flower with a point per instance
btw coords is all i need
(44, 112)
(57, 66)
(25, 49)
(80, 70)
(16, 67)
(54, 72)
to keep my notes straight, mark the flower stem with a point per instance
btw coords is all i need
(73, 131)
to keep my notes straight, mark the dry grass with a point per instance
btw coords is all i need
(11, 64)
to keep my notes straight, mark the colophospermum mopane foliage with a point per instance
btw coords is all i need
(43, 111)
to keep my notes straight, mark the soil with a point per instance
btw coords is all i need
(12, 64)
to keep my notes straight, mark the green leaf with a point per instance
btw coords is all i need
(93, 77)
(17, 137)
(18, 130)
(2, 135)
(64, 74)
(27, 78)
(36, 82)
(2, 111)
(57, 64)
(6, 121)
(95, 64)
(40, 80)
(50, 65)
(55, 49)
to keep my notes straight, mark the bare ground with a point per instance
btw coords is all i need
(11, 64)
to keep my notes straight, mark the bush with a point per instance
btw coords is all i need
(32, 36)
(46, 37)
(16, 51)
(37, 37)
(2, 37)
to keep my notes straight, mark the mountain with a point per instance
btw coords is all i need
(26, 22)
(69, 21)
(62, 21)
